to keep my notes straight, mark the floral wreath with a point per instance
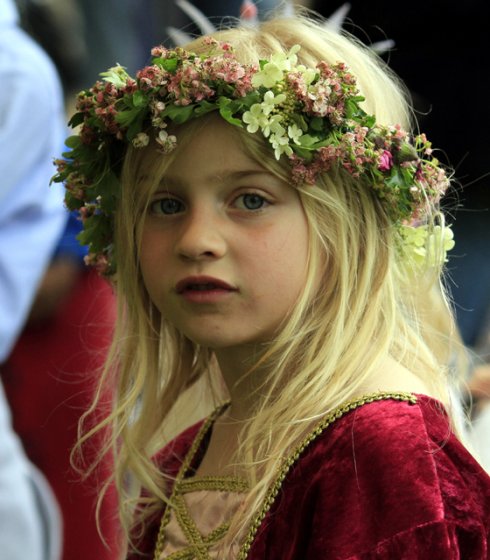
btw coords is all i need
(312, 116)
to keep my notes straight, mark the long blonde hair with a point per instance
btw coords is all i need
(366, 309)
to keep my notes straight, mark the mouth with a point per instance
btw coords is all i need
(194, 284)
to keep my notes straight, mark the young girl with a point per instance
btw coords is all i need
(275, 242)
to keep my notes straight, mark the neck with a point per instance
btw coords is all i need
(242, 378)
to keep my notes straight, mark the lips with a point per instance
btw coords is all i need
(202, 284)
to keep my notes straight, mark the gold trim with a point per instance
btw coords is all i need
(189, 528)
(188, 553)
(288, 462)
(223, 483)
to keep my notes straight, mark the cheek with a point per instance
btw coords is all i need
(281, 258)
(154, 259)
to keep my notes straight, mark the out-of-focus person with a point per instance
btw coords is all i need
(32, 218)
(49, 380)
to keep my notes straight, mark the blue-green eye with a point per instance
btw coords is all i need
(167, 206)
(252, 201)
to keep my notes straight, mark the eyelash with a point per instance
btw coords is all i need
(264, 201)
(156, 207)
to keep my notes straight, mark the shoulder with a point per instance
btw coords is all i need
(397, 434)
(23, 54)
(30, 80)
(388, 471)
(403, 450)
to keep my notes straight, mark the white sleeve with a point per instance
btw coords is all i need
(30, 522)
(32, 215)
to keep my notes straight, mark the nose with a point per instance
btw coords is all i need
(201, 236)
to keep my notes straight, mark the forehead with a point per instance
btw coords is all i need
(208, 149)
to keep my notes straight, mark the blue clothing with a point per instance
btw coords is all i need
(32, 130)
(68, 246)
(32, 217)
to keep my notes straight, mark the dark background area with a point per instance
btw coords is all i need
(441, 53)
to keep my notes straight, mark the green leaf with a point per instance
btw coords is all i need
(249, 99)
(304, 153)
(395, 180)
(96, 232)
(317, 124)
(111, 187)
(136, 126)
(227, 114)
(227, 108)
(76, 120)
(178, 113)
(125, 118)
(299, 121)
(168, 64)
(369, 121)
(205, 107)
(353, 110)
(71, 202)
(407, 175)
(139, 99)
(308, 141)
(73, 142)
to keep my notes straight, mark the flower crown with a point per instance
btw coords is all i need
(312, 116)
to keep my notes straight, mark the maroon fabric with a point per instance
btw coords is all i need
(49, 380)
(387, 480)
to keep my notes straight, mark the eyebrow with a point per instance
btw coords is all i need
(223, 176)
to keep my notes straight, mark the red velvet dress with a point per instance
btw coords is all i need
(386, 480)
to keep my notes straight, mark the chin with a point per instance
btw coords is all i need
(222, 341)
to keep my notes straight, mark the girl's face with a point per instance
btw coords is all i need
(224, 243)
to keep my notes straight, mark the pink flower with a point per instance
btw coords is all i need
(98, 261)
(385, 161)
(159, 51)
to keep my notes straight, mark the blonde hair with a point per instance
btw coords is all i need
(333, 340)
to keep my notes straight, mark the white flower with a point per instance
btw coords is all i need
(268, 77)
(424, 245)
(309, 74)
(141, 140)
(415, 236)
(291, 56)
(273, 125)
(280, 145)
(254, 118)
(295, 133)
(167, 141)
(439, 242)
(273, 71)
(270, 100)
(116, 75)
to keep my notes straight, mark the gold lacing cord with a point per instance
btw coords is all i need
(184, 468)
(189, 552)
(271, 495)
(224, 484)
